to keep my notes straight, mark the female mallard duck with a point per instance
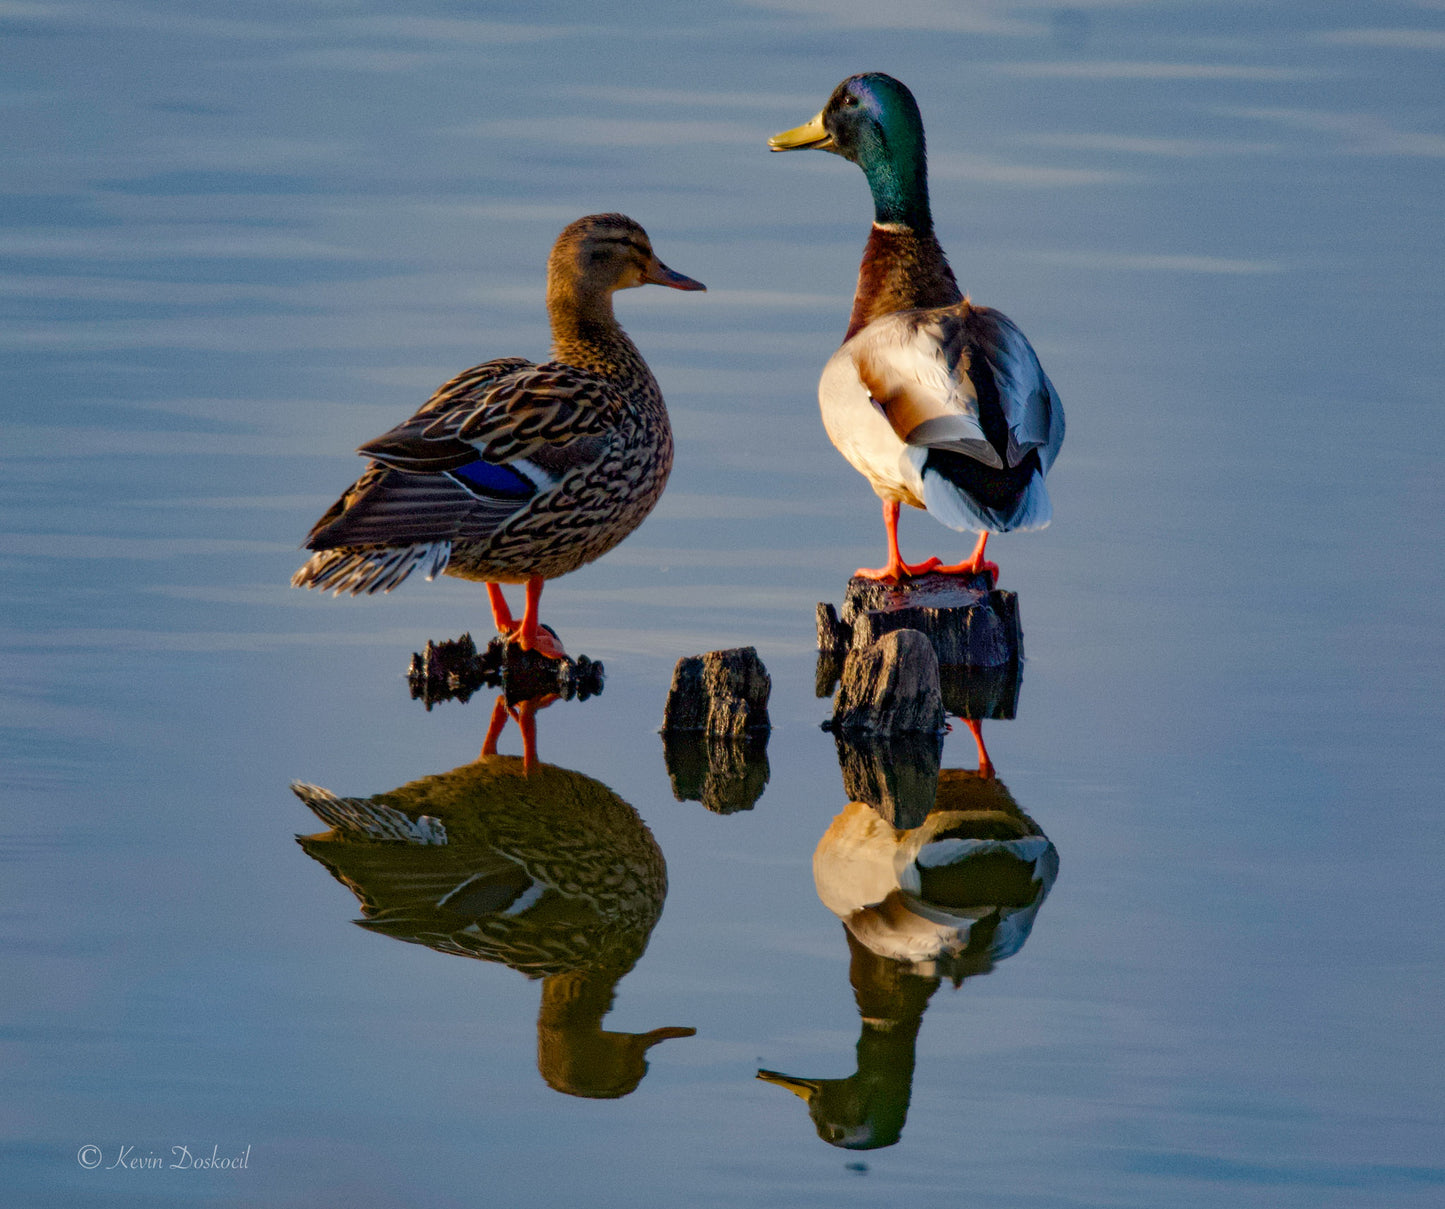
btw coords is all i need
(940, 404)
(514, 472)
(516, 861)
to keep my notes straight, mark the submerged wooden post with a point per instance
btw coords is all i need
(719, 693)
(715, 729)
(973, 628)
(455, 669)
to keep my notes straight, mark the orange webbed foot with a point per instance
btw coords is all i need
(895, 571)
(545, 642)
(973, 566)
(527, 633)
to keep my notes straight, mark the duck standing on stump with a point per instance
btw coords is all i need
(940, 404)
(514, 472)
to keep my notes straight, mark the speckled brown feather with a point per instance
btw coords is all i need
(589, 429)
(564, 829)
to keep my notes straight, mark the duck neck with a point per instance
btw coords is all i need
(585, 333)
(903, 269)
(898, 180)
(578, 999)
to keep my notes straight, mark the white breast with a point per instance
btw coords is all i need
(861, 433)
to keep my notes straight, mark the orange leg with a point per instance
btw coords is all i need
(896, 569)
(495, 726)
(526, 633)
(985, 765)
(975, 564)
(501, 615)
(532, 637)
(526, 716)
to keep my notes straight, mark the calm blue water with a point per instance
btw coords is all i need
(239, 239)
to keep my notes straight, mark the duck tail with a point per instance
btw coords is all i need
(359, 818)
(963, 494)
(369, 569)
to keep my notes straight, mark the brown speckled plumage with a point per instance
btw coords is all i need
(538, 867)
(501, 823)
(512, 470)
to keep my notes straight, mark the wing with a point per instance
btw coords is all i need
(465, 387)
(387, 507)
(517, 414)
(550, 416)
(390, 523)
(407, 447)
(480, 450)
(1003, 366)
(915, 379)
(960, 378)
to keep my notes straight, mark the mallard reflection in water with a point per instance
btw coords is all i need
(946, 899)
(955, 894)
(868, 1109)
(540, 868)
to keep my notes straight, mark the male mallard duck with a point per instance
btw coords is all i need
(948, 898)
(514, 472)
(940, 404)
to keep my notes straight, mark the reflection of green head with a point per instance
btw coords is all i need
(868, 1109)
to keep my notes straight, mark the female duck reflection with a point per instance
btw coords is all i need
(512, 860)
(946, 899)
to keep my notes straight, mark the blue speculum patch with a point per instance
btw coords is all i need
(490, 478)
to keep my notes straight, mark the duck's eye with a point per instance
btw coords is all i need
(850, 101)
(599, 255)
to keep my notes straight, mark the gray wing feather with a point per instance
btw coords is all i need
(395, 508)
(1030, 405)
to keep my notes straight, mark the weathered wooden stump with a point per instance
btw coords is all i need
(726, 773)
(969, 623)
(890, 687)
(974, 630)
(454, 670)
(715, 729)
(719, 693)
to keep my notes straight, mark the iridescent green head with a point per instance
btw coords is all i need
(873, 120)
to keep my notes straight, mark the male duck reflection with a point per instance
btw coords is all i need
(514, 472)
(940, 404)
(946, 899)
(541, 868)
